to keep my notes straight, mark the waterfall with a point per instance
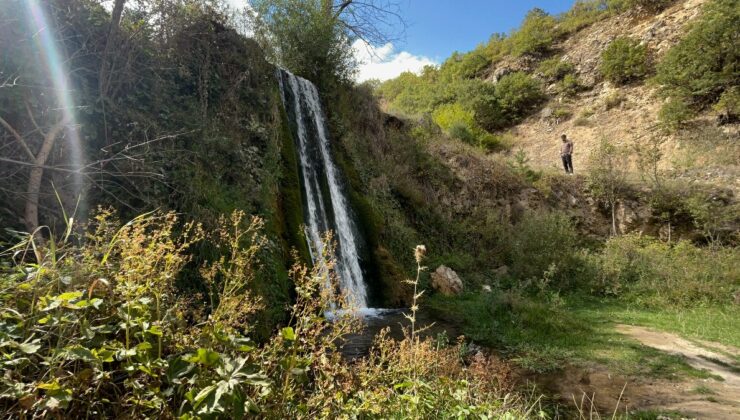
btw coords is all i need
(325, 203)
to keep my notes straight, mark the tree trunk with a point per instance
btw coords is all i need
(614, 220)
(115, 25)
(31, 213)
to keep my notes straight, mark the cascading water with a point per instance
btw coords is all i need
(326, 205)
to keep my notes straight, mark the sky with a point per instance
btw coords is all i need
(437, 28)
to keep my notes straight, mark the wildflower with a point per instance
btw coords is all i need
(419, 252)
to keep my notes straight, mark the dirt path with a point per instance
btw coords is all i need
(724, 400)
(605, 390)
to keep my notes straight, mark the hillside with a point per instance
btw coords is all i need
(626, 115)
(576, 98)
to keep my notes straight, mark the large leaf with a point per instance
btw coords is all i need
(204, 357)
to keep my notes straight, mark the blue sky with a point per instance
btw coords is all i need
(436, 28)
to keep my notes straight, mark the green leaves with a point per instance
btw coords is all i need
(204, 357)
(288, 334)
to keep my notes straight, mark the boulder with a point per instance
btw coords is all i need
(446, 281)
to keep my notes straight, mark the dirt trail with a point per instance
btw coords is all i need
(692, 398)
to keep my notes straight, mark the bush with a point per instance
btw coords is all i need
(674, 113)
(554, 69)
(518, 95)
(464, 66)
(539, 243)
(453, 115)
(653, 273)
(582, 14)
(729, 103)
(535, 35)
(570, 85)
(100, 331)
(703, 65)
(650, 5)
(613, 100)
(624, 60)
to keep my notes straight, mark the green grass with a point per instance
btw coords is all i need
(544, 337)
(718, 324)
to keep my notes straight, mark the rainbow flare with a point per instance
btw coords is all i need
(55, 68)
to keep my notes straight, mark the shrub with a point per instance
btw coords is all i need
(729, 103)
(99, 331)
(703, 64)
(613, 100)
(624, 60)
(542, 242)
(570, 85)
(653, 273)
(650, 5)
(535, 35)
(554, 69)
(674, 113)
(518, 95)
(582, 14)
(464, 66)
(453, 115)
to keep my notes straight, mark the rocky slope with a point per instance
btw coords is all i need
(626, 115)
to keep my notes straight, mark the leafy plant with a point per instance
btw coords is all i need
(702, 66)
(624, 60)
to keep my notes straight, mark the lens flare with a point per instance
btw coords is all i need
(55, 68)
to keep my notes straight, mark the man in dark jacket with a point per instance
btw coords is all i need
(566, 153)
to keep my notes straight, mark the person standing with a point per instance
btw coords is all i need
(566, 153)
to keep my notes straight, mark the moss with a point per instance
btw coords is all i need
(289, 202)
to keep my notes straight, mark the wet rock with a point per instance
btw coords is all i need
(446, 281)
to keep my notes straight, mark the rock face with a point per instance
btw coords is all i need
(446, 281)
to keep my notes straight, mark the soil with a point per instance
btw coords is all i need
(599, 390)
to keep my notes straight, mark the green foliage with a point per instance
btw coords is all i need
(521, 166)
(307, 40)
(465, 66)
(453, 115)
(606, 175)
(674, 114)
(535, 35)
(703, 65)
(518, 95)
(624, 60)
(570, 85)
(655, 274)
(582, 14)
(649, 5)
(729, 103)
(541, 243)
(555, 68)
(98, 330)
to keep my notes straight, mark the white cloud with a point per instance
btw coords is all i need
(385, 63)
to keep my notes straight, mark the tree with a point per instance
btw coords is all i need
(314, 38)
(606, 175)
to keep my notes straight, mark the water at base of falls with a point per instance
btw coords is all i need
(326, 207)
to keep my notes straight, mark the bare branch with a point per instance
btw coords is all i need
(19, 138)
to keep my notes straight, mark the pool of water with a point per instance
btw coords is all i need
(374, 320)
